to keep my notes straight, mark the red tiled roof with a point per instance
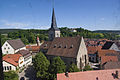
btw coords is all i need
(104, 52)
(90, 75)
(33, 48)
(93, 49)
(111, 65)
(12, 58)
(108, 58)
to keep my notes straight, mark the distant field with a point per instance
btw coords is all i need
(107, 31)
(5, 31)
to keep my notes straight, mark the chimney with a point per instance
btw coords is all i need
(66, 74)
(96, 78)
(116, 74)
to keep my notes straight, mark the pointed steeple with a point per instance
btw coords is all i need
(54, 24)
(54, 31)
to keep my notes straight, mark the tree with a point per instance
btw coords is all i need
(73, 68)
(11, 75)
(25, 41)
(41, 65)
(57, 66)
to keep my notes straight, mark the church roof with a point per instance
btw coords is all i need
(54, 24)
(65, 46)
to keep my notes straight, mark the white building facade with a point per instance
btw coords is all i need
(12, 46)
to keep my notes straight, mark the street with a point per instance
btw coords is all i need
(27, 74)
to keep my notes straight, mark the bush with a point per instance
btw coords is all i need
(87, 68)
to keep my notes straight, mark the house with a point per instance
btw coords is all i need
(12, 62)
(92, 53)
(73, 30)
(112, 74)
(106, 57)
(70, 49)
(12, 46)
(27, 56)
(33, 49)
(111, 46)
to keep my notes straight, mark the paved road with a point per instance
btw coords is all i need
(28, 73)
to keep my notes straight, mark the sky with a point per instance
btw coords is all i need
(36, 14)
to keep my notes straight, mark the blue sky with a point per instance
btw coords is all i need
(36, 14)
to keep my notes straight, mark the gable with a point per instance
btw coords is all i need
(114, 47)
(16, 44)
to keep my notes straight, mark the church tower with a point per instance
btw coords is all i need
(54, 30)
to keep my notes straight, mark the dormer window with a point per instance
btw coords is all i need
(71, 46)
(65, 46)
(55, 46)
(60, 46)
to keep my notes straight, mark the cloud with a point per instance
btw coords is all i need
(7, 24)
(20, 25)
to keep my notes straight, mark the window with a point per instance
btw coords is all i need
(8, 47)
(7, 52)
(4, 48)
(7, 67)
(57, 35)
(21, 62)
(10, 68)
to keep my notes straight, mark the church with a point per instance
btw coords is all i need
(70, 49)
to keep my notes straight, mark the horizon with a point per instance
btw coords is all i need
(60, 27)
(90, 15)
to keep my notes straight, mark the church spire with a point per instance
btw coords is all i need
(54, 31)
(54, 24)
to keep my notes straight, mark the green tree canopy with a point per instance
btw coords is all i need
(11, 75)
(57, 66)
(41, 65)
(73, 68)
